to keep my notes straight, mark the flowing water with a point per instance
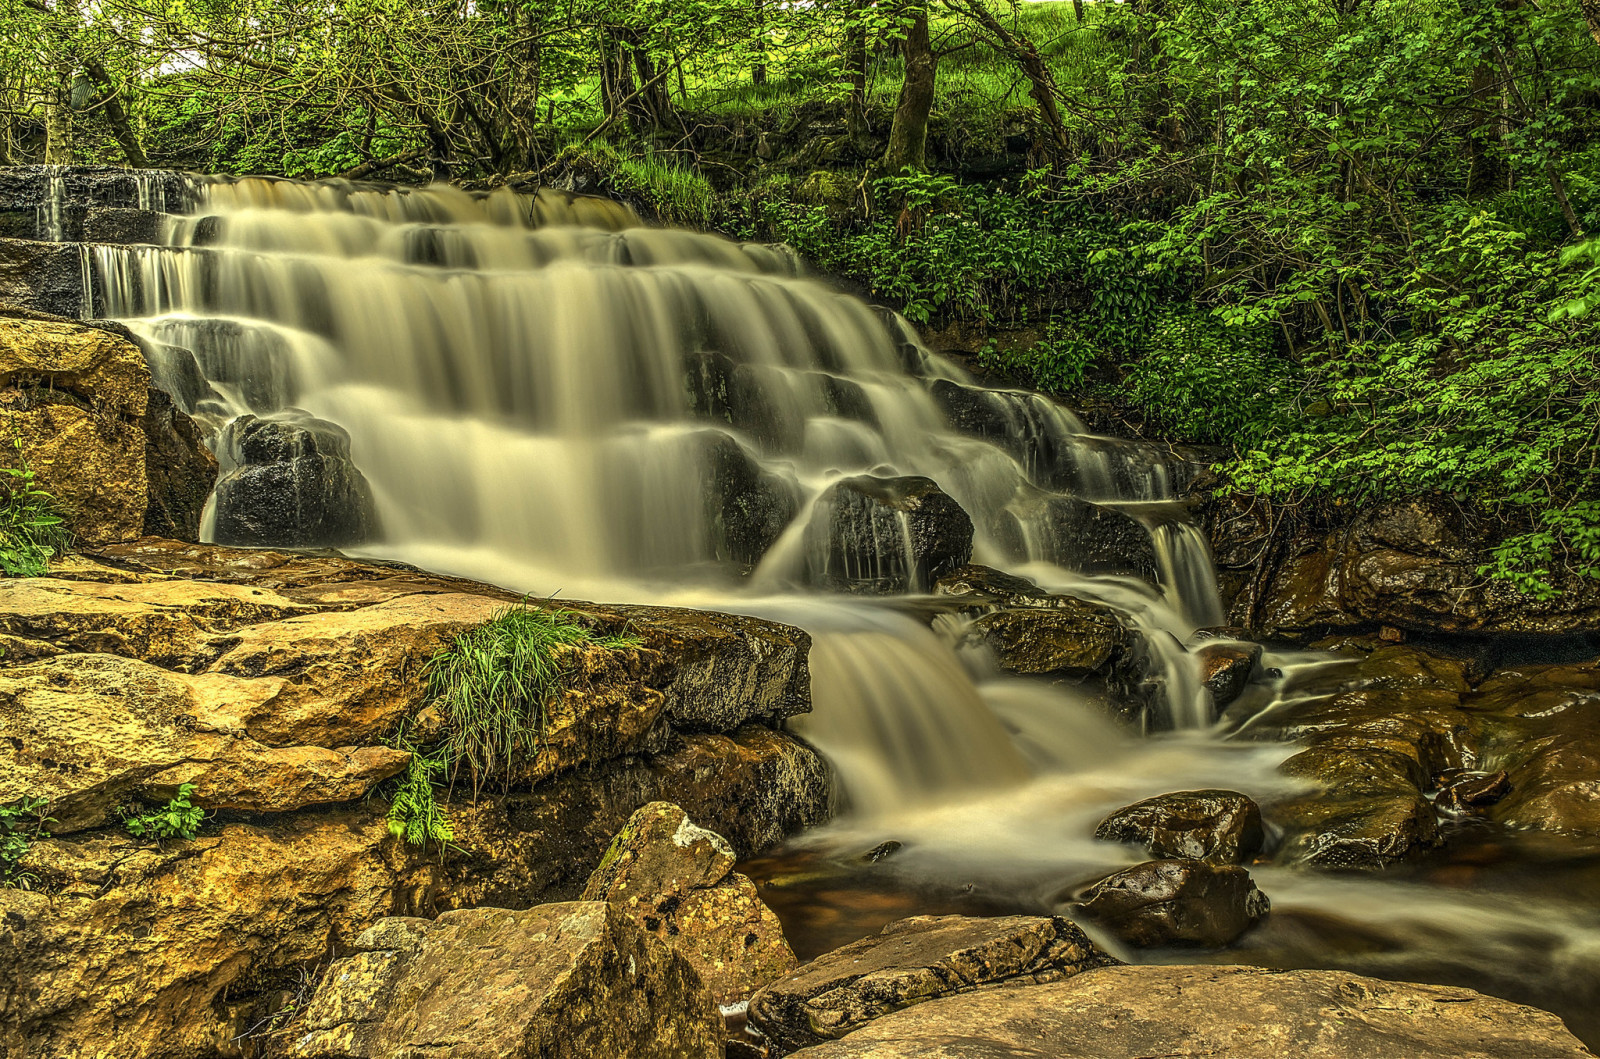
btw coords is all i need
(543, 393)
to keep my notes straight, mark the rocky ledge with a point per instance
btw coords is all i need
(272, 682)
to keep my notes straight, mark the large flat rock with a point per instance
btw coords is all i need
(1237, 1012)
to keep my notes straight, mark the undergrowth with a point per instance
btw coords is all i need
(179, 818)
(21, 825)
(32, 529)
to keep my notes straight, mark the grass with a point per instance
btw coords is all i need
(32, 527)
(494, 682)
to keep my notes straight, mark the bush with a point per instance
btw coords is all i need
(32, 529)
(179, 818)
(1203, 381)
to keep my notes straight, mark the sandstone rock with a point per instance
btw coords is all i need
(576, 979)
(146, 953)
(1177, 902)
(1223, 827)
(97, 366)
(889, 534)
(914, 961)
(89, 731)
(1238, 1012)
(289, 482)
(1544, 731)
(180, 470)
(677, 881)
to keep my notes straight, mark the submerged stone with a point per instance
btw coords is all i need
(1177, 902)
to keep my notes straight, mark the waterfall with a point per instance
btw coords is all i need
(50, 215)
(540, 391)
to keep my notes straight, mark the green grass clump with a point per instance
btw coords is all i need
(32, 529)
(494, 682)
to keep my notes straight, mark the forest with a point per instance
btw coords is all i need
(1349, 240)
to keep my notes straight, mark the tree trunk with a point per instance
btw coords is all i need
(855, 61)
(1591, 15)
(1077, 9)
(758, 72)
(523, 94)
(1023, 52)
(121, 127)
(908, 135)
(1484, 176)
(58, 146)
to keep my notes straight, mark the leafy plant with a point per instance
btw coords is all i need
(1201, 380)
(414, 812)
(179, 818)
(32, 529)
(21, 825)
(493, 683)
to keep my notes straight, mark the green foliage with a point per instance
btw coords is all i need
(32, 529)
(494, 682)
(1057, 364)
(1201, 380)
(414, 812)
(21, 825)
(179, 818)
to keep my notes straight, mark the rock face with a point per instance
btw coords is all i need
(677, 882)
(1239, 1012)
(889, 534)
(1177, 902)
(290, 483)
(74, 397)
(104, 204)
(912, 962)
(558, 980)
(43, 277)
(1223, 827)
(181, 470)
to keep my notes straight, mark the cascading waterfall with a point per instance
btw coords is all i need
(546, 394)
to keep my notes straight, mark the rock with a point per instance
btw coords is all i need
(173, 952)
(1543, 730)
(1223, 827)
(1194, 1012)
(748, 508)
(90, 202)
(1226, 668)
(1100, 539)
(180, 470)
(677, 881)
(74, 396)
(888, 534)
(1072, 638)
(914, 961)
(574, 979)
(88, 731)
(1177, 902)
(290, 483)
(1469, 791)
(44, 277)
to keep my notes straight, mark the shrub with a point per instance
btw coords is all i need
(179, 818)
(21, 825)
(32, 529)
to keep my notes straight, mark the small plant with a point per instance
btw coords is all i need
(179, 818)
(494, 681)
(414, 812)
(21, 825)
(32, 529)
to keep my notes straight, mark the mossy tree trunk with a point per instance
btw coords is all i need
(908, 135)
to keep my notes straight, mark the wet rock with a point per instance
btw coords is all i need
(882, 851)
(172, 952)
(748, 508)
(1226, 668)
(980, 589)
(578, 978)
(1177, 902)
(1470, 791)
(180, 470)
(290, 483)
(914, 961)
(890, 534)
(1543, 729)
(1238, 1012)
(1100, 539)
(1072, 638)
(677, 881)
(1223, 827)
(42, 277)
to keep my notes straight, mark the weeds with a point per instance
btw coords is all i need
(21, 825)
(414, 812)
(32, 529)
(179, 818)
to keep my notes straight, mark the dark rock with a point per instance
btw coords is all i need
(1072, 639)
(44, 277)
(747, 506)
(290, 483)
(981, 589)
(1212, 1012)
(1472, 790)
(1544, 730)
(889, 534)
(1101, 539)
(1177, 902)
(1223, 827)
(180, 470)
(1226, 668)
(882, 851)
(915, 960)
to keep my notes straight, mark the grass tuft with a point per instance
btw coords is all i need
(32, 528)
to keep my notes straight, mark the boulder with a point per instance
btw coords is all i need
(44, 277)
(180, 471)
(1176, 902)
(574, 979)
(888, 535)
(1543, 731)
(1223, 827)
(747, 507)
(1072, 638)
(1195, 1012)
(912, 962)
(290, 482)
(1225, 668)
(677, 881)
(144, 952)
(1469, 791)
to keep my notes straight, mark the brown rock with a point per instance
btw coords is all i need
(1219, 826)
(677, 882)
(1225, 668)
(1177, 902)
(1194, 1012)
(95, 365)
(1064, 640)
(575, 979)
(914, 961)
(180, 470)
(1472, 790)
